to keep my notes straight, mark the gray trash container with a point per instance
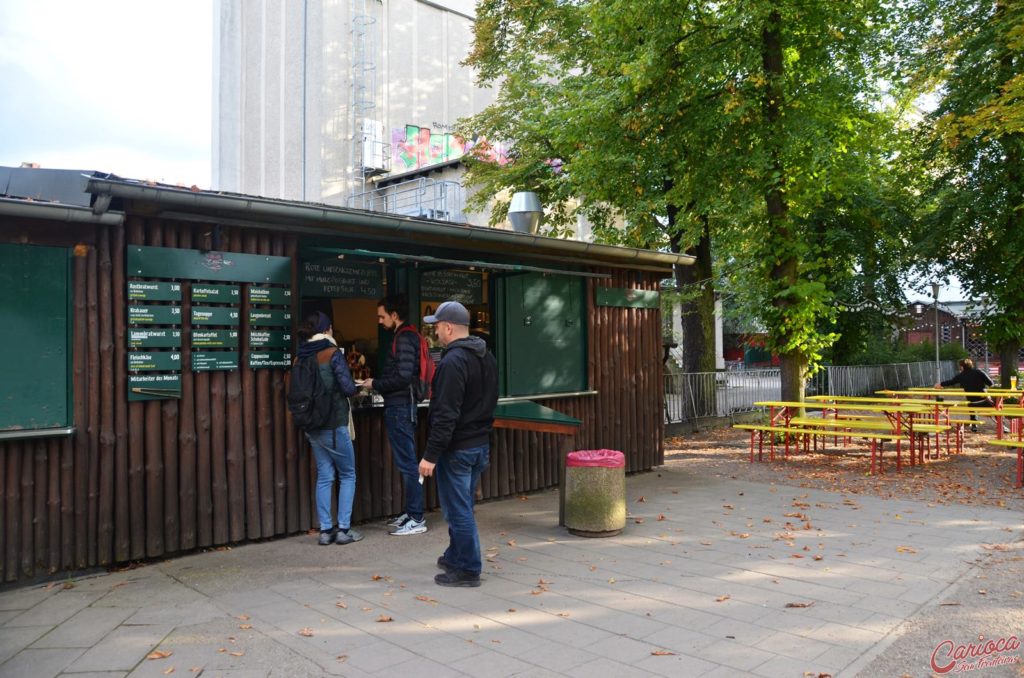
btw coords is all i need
(595, 492)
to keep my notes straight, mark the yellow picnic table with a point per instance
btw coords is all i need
(899, 415)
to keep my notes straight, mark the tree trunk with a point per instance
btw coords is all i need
(697, 311)
(1008, 352)
(779, 237)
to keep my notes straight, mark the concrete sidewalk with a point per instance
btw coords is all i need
(701, 582)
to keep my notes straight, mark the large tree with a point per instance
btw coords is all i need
(736, 123)
(974, 221)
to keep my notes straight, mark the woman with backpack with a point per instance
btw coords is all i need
(322, 411)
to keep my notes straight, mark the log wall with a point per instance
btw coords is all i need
(222, 465)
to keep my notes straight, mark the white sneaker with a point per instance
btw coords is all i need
(411, 526)
(399, 521)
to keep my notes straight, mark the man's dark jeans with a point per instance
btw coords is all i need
(400, 422)
(457, 475)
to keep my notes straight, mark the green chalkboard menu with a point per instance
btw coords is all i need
(216, 284)
(466, 287)
(341, 280)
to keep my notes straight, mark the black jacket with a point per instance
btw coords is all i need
(464, 395)
(399, 369)
(335, 375)
(972, 381)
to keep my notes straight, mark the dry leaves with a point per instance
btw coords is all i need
(662, 653)
(800, 604)
(306, 631)
(722, 599)
(641, 500)
(159, 654)
(905, 549)
(383, 619)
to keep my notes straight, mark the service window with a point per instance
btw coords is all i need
(35, 355)
(470, 288)
(544, 344)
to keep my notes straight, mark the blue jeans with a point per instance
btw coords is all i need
(400, 423)
(334, 455)
(457, 475)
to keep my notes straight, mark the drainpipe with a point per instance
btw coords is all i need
(81, 215)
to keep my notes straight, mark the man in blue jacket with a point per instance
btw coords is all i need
(401, 367)
(462, 402)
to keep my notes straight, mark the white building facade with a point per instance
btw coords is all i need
(346, 102)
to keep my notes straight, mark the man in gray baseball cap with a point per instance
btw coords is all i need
(462, 402)
(451, 312)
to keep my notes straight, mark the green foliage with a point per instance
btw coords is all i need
(972, 213)
(767, 118)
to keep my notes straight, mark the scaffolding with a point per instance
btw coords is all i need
(368, 154)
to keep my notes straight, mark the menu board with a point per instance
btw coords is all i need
(217, 282)
(339, 279)
(466, 287)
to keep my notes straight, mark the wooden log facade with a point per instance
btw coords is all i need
(223, 464)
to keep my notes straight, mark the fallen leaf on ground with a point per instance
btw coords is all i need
(661, 516)
(306, 631)
(237, 654)
(159, 654)
(722, 599)
(169, 671)
(342, 657)
(800, 604)
(662, 653)
(245, 627)
(641, 500)
(242, 617)
(906, 549)
(383, 618)
(343, 605)
(427, 599)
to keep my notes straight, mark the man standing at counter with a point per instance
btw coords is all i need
(464, 396)
(395, 384)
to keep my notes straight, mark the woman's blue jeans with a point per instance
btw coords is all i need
(335, 457)
(457, 475)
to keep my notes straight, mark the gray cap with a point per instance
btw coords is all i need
(449, 312)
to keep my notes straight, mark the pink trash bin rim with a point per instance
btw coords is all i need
(596, 458)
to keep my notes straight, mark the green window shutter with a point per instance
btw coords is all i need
(545, 348)
(35, 375)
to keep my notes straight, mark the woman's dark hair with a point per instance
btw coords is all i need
(313, 324)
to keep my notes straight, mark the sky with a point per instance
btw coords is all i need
(120, 86)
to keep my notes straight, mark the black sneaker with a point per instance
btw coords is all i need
(974, 428)
(347, 536)
(326, 537)
(444, 564)
(457, 578)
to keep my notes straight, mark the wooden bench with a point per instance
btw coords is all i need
(1019, 445)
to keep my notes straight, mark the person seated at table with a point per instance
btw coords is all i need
(972, 380)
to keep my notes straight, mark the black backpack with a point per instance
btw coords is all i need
(310, 401)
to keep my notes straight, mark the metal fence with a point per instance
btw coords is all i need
(696, 395)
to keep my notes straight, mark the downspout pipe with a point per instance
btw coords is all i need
(260, 209)
(12, 207)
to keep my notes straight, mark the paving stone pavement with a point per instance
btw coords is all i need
(711, 577)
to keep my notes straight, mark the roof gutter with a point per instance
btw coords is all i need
(13, 207)
(276, 211)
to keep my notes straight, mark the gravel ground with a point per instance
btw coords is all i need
(986, 604)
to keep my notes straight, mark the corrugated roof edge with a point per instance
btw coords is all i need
(279, 213)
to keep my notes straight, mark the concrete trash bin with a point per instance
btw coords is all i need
(595, 492)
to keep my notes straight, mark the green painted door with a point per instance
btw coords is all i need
(545, 347)
(35, 376)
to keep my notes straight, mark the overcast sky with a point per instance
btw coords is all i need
(120, 86)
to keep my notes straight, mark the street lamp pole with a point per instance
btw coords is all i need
(935, 296)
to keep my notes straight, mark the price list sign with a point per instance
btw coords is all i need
(270, 335)
(154, 352)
